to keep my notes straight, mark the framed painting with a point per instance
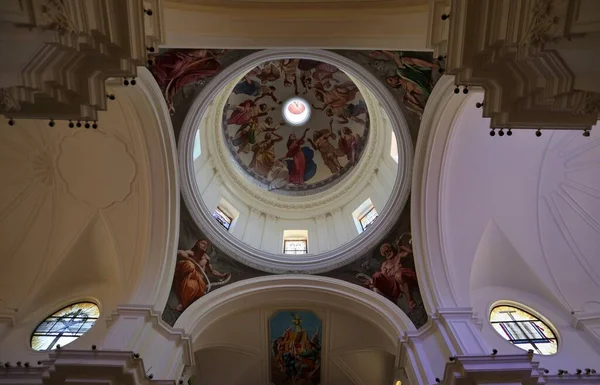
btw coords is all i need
(295, 340)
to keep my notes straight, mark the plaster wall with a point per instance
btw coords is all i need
(255, 25)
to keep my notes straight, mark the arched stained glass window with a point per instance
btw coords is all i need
(65, 326)
(523, 329)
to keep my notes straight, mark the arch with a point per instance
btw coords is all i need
(119, 266)
(309, 263)
(151, 109)
(250, 293)
(334, 301)
(434, 137)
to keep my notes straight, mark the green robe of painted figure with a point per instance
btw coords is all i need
(416, 74)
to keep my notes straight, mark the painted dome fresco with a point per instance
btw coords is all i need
(296, 126)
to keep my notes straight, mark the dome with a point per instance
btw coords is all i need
(240, 179)
(296, 126)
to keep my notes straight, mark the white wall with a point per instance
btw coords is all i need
(265, 231)
(519, 219)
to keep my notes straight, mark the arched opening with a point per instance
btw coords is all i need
(357, 330)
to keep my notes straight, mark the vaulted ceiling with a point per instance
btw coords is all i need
(74, 209)
(354, 351)
(536, 196)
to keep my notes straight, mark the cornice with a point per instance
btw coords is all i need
(309, 263)
(159, 325)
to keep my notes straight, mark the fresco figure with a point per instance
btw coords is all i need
(350, 112)
(289, 67)
(191, 280)
(263, 158)
(295, 348)
(349, 143)
(279, 175)
(413, 75)
(393, 279)
(336, 100)
(297, 165)
(247, 111)
(324, 74)
(330, 154)
(248, 132)
(251, 87)
(175, 69)
(269, 72)
(306, 67)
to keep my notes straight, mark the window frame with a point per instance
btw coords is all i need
(54, 319)
(285, 242)
(223, 213)
(508, 335)
(360, 218)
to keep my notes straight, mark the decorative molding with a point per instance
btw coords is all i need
(509, 369)
(82, 366)
(154, 283)
(158, 324)
(9, 100)
(542, 21)
(516, 56)
(68, 49)
(275, 263)
(589, 104)
(58, 16)
(427, 230)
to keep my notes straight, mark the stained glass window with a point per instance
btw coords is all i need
(224, 219)
(368, 218)
(295, 246)
(65, 326)
(523, 329)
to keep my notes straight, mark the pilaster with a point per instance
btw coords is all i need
(461, 331)
(590, 324)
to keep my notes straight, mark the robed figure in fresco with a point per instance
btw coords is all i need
(191, 280)
(393, 279)
(263, 157)
(299, 159)
(175, 69)
(330, 154)
(413, 75)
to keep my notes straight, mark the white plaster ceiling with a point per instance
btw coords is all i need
(296, 2)
(74, 210)
(235, 350)
(522, 212)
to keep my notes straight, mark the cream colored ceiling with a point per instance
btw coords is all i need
(394, 24)
(366, 3)
(74, 209)
(235, 350)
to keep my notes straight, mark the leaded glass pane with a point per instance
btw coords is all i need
(222, 218)
(367, 219)
(65, 326)
(295, 246)
(523, 329)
